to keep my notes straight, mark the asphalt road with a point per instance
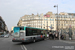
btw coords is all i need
(7, 44)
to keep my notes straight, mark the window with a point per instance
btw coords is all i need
(50, 19)
(55, 19)
(53, 22)
(34, 31)
(28, 32)
(70, 18)
(16, 28)
(50, 22)
(59, 21)
(66, 21)
(62, 24)
(31, 31)
(61, 16)
(46, 19)
(39, 32)
(64, 18)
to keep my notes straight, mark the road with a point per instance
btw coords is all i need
(7, 44)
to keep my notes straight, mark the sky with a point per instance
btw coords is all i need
(12, 10)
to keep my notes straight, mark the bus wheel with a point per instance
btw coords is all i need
(23, 42)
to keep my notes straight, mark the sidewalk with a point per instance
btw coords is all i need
(68, 41)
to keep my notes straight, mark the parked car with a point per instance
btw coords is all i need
(1, 34)
(6, 35)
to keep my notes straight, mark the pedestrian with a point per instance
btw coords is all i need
(53, 35)
(56, 36)
(47, 36)
(62, 37)
(50, 35)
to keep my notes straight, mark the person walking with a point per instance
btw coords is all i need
(56, 36)
(62, 37)
(47, 36)
(50, 35)
(53, 36)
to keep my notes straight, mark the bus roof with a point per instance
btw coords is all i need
(36, 28)
(30, 27)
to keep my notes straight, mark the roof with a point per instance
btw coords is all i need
(30, 27)
(73, 14)
(65, 16)
(36, 28)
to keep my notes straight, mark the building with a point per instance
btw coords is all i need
(72, 14)
(63, 13)
(3, 26)
(30, 20)
(48, 21)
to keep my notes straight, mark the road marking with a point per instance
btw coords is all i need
(23, 47)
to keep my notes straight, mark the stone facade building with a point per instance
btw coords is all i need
(40, 21)
(3, 26)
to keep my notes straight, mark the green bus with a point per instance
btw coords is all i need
(28, 34)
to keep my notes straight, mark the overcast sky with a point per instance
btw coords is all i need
(12, 10)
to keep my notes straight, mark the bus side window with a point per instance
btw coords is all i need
(34, 31)
(28, 32)
(38, 32)
(41, 32)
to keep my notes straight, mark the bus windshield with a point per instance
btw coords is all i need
(17, 29)
(21, 28)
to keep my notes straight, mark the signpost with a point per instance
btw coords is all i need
(70, 32)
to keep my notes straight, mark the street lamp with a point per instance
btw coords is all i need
(33, 19)
(57, 20)
(47, 23)
(41, 22)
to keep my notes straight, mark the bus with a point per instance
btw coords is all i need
(28, 34)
